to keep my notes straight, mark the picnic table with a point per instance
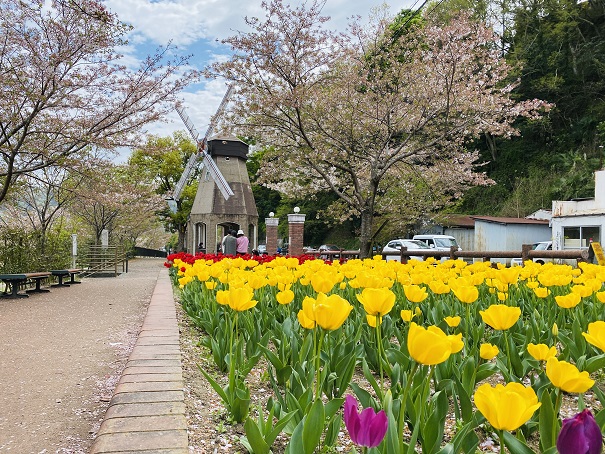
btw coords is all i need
(14, 282)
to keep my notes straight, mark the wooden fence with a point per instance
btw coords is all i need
(526, 253)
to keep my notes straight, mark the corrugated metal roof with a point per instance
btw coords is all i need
(504, 220)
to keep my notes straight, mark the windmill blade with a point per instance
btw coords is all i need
(201, 153)
(217, 176)
(189, 167)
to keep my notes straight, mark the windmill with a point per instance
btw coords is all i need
(201, 154)
(224, 200)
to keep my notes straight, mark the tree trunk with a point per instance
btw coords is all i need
(182, 230)
(365, 239)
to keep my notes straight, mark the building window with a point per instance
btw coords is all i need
(580, 237)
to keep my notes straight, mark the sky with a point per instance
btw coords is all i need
(196, 27)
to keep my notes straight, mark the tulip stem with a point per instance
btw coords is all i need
(510, 364)
(379, 345)
(317, 363)
(408, 385)
(501, 439)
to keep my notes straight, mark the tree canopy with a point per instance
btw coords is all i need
(349, 114)
(64, 86)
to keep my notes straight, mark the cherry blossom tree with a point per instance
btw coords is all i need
(64, 86)
(351, 112)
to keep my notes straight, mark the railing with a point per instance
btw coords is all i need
(105, 260)
(526, 253)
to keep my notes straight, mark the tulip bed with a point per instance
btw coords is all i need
(498, 349)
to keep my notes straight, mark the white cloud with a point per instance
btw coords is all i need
(197, 25)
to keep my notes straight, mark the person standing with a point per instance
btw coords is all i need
(230, 243)
(242, 243)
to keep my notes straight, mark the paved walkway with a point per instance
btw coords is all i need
(147, 411)
(63, 352)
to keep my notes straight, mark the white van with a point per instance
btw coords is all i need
(438, 242)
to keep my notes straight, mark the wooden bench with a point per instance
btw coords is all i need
(60, 274)
(14, 282)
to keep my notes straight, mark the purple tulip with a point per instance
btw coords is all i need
(365, 429)
(580, 435)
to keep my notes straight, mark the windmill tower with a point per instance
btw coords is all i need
(224, 199)
(213, 215)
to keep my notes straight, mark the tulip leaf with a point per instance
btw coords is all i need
(600, 418)
(548, 422)
(516, 446)
(255, 438)
(595, 363)
(332, 407)
(364, 397)
(432, 429)
(313, 426)
(466, 406)
(332, 432)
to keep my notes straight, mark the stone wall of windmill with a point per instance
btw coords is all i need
(211, 215)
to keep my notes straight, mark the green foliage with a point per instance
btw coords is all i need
(20, 251)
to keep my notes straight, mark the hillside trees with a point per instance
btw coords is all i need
(63, 86)
(349, 114)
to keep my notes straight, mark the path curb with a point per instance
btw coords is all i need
(147, 410)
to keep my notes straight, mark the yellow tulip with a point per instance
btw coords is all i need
(439, 288)
(415, 293)
(377, 301)
(430, 346)
(488, 351)
(541, 292)
(285, 296)
(568, 301)
(240, 299)
(502, 296)
(222, 297)
(555, 330)
(500, 316)
(582, 290)
(567, 377)
(372, 320)
(406, 315)
(305, 321)
(452, 322)
(541, 352)
(601, 296)
(210, 285)
(456, 342)
(331, 311)
(321, 284)
(596, 334)
(466, 293)
(506, 407)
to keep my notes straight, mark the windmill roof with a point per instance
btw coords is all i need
(226, 137)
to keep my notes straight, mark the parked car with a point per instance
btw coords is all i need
(539, 246)
(261, 249)
(411, 245)
(438, 242)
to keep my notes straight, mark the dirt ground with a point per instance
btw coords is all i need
(61, 354)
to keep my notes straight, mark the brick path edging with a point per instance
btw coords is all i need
(147, 410)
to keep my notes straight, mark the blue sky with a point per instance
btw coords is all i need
(196, 27)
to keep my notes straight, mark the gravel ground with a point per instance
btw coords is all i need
(61, 355)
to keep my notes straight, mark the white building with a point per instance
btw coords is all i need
(575, 223)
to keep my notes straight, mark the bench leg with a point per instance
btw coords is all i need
(60, 283)
(73, 279)
(14, 285)
(38, 288)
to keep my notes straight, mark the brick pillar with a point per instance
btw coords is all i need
(296, 229)
(271, 225)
